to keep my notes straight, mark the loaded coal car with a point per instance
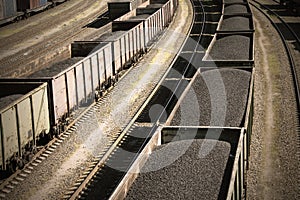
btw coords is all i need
(74, 82)
(24, 121)
(151, 20)
(192, 163)
(127, 44)
(155, 17)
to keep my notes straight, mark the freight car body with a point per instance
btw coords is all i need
(74, 82)
(127, 43)
(212, 167)
(154, 17)
(24, 119)
(151, 19)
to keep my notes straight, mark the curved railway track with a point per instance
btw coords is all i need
(108, 171)
(295, 67)
(12, 63)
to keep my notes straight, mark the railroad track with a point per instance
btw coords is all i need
(10, 63)
(108, 170)
(286, 39)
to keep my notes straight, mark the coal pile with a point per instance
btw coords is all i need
(56, 68)
(230, 48)
(222, 99)
(5, 101)
(111, 36)
(235, 8)
(236, 23)
(234, 1)
(140, 17)
(191, 176)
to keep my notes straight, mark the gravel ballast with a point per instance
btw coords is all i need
(56, 68)
(230, 48)
(189, 177)
(236, 23)
(274, 154)
(224, 104)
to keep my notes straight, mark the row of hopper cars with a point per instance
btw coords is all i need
(41, 105)
(204, 155)
(11, 10)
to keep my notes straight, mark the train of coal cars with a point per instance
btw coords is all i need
(11, 10)
(40, 105)
(215, 110)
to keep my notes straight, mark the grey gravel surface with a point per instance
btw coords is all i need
(235, 8)
(56, 68)
(4, 101)
(222, 99)
(189, 177)
(51, 178)
(274, 154)
(230, 48)
(236, 23)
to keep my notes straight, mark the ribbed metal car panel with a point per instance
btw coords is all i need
(24, 119)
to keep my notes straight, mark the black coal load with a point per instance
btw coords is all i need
(217, 98)
(193, 175)
(235, 9)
